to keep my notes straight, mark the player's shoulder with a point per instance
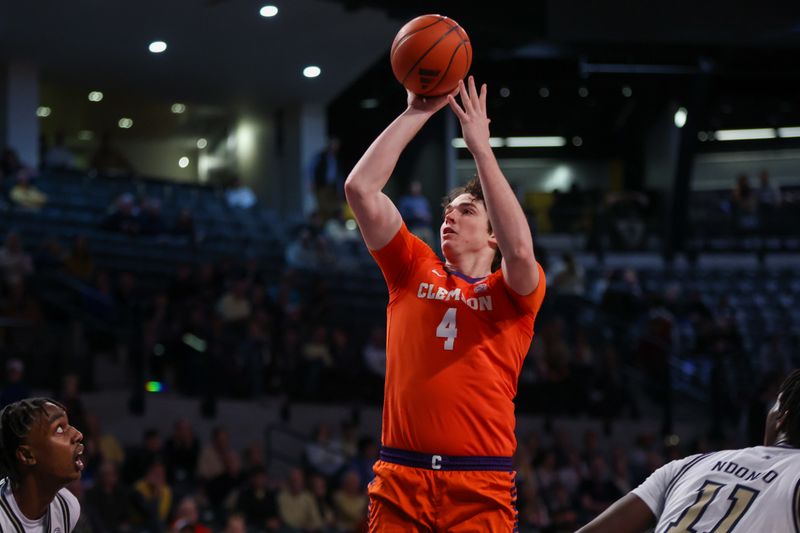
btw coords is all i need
(69, 507)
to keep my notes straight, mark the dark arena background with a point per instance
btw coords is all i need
(179, 268)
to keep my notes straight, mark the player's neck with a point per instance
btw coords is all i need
(33, 497)
(473, 266)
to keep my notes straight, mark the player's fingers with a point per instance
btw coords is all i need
(484, 90)
(460, 114)
(473, 94)
(462, 90)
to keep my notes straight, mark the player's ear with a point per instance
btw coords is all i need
(780, 421)
(25, 455)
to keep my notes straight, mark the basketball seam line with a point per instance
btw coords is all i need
(448, 32)
(409, 34)
(449, 64)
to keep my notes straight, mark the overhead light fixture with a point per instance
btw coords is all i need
(125, 123)
(505, 92)
(544, 92)
(183, 162)
(702, 136)
(535, 142)
(201, 143)
(157, 47)
(745, 135)
(494, 142)
(85, 135)
(583, 92)
(577, 141)
(178, 108)
(789, 132)
(268, 11)
(312, 71)
(95, 96)
(369, 103)
(43, 111)
(627, 92)
(680, 117)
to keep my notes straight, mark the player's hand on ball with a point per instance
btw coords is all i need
(427, 104)
(473, 117)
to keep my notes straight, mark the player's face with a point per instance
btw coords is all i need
(774, 424)
(465, 228)
(55, 446)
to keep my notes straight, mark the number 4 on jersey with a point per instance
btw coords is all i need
(447, 328)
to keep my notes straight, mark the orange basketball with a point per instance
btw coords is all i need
(430, 54)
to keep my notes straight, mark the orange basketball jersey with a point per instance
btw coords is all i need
(454, 351)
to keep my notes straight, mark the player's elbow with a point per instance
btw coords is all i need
(354, 188)
(520, 254)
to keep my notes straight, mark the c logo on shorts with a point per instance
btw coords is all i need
(436, 462)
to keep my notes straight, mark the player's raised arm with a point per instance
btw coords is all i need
(505, 214)
(377, 216)
(628, 515)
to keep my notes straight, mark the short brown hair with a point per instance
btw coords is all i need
(474, 189)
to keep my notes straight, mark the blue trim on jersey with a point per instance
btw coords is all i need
(464, 276)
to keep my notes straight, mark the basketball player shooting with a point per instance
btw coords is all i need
(41, 454)
(457, 334)
(752, 489)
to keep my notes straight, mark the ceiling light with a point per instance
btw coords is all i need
(178, 108)
(95, 96)
(268, 11)
(745, 135)
(535, 142)
(157, 47)
(125, 123)
(183, 162)
(494, 142)
(202, 143)
(505, 92)
(544, 92)
(680, 117)
(702, 136)
(577, 141)
(583, 92)
(43, 111)
(627, 92)
(311, 71)
(369, 103)
(789, 132)
(85, 135)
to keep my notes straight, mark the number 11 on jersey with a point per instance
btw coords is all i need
(447, 328)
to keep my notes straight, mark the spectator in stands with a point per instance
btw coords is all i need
(212, 457)
(124, 215)
(21, 305)
(416, 212)
(220, 489)
(745, 204)
(107, 443)
(139, 458)
(15, 264)
(317, 361)
(181, 453)
(533, 513)
(598, 491)
(58, 156)
(25, 195)
(234, 306)
(319, 490)
(11, 166)
(328, 179)
(239, 195)
(15, 388)
(50, 256)
(79, 262)
(187, 519)
(70, 398)
(564, 513)
(184, 226)
(153, 496)
(308, 251)
(769, 203)
(258, 502)
(108, 160)
(569, 277)
(297, 507)
(108, 502)
(324, 455)
(151, 222)
(375, 351)
(364, 459)
(236, 524)
(350, 503)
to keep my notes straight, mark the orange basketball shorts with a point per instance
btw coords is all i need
(414, 492)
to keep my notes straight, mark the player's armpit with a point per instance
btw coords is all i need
(629, 514)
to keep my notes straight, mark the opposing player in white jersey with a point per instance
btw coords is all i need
(40, 453)
(748, 490)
